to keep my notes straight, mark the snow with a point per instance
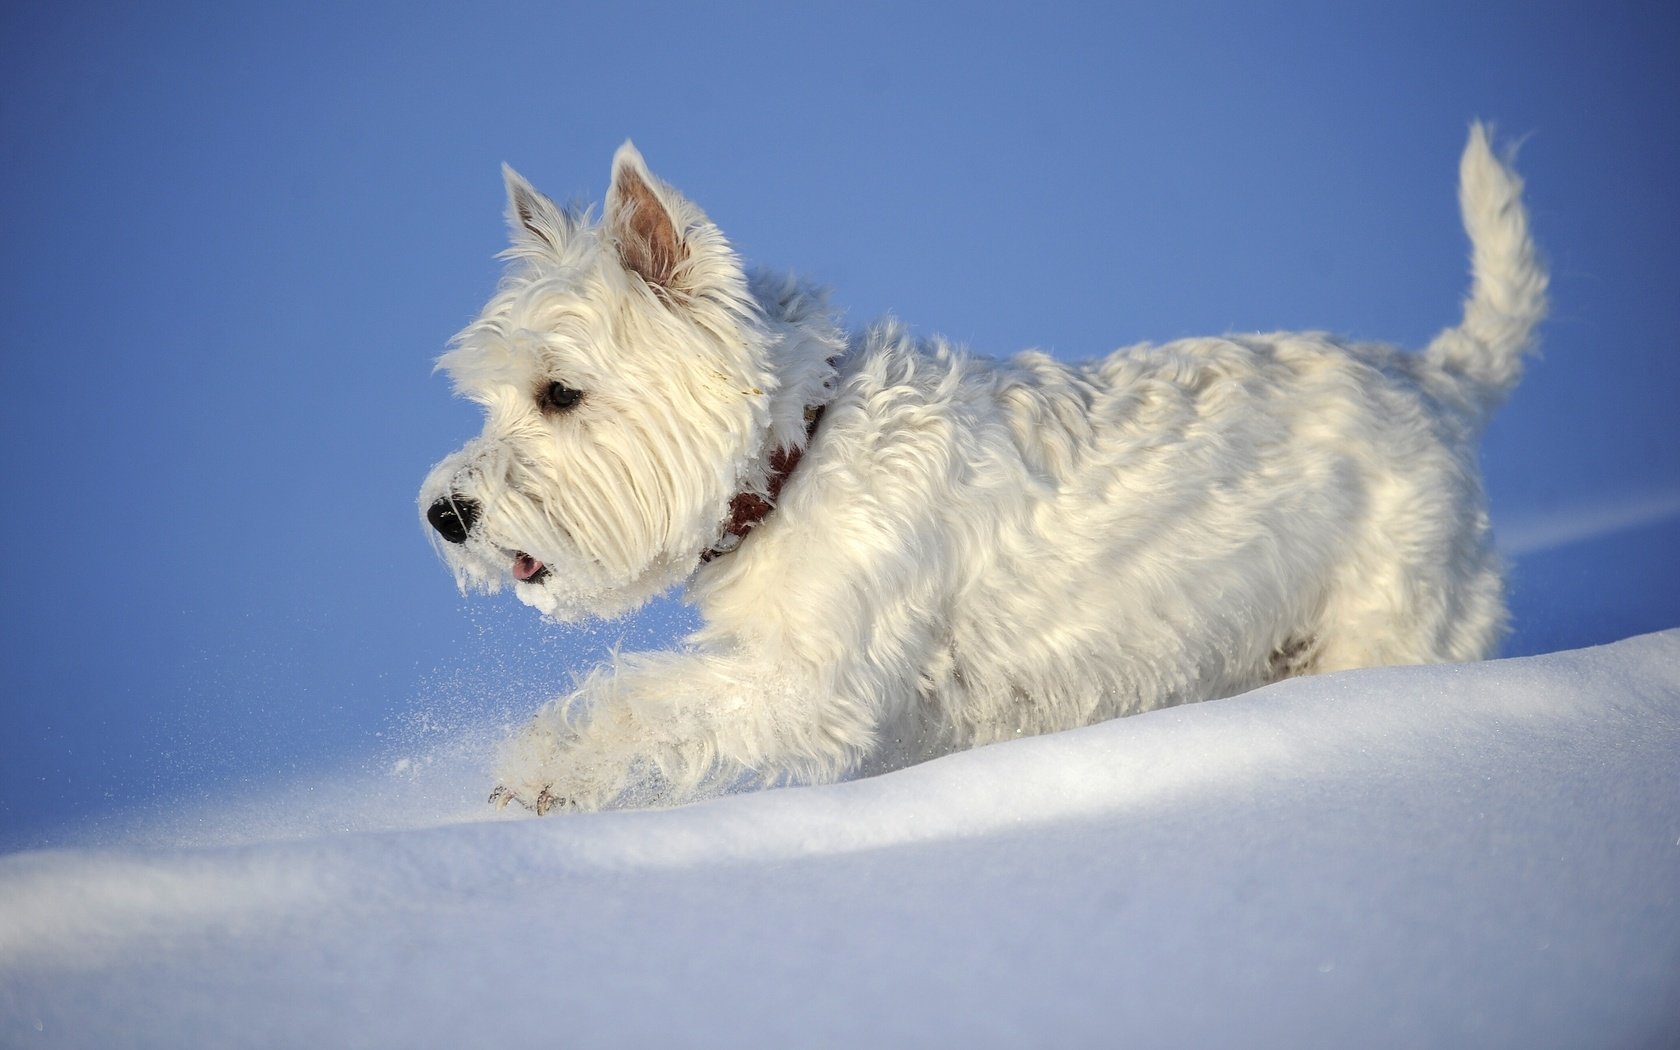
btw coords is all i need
(1483, 855)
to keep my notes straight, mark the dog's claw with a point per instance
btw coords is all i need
(545, 801)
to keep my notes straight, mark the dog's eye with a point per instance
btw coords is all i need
(558, 397)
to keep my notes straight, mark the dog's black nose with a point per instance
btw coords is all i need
(452, 516)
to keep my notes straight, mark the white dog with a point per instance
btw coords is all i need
(901, 549)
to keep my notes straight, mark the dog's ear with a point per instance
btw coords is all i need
(533, 220)
(640, 218)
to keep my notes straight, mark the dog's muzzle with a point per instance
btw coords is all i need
(453, 517)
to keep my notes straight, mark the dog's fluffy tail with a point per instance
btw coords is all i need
(1508, 291)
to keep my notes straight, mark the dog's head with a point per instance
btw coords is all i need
(625, 371)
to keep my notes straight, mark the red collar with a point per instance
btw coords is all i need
(747, 509)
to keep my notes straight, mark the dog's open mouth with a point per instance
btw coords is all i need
(527, 569)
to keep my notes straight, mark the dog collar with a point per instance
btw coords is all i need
(747, 509)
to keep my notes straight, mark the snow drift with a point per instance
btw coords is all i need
(1483, 855)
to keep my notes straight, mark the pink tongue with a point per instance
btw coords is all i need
(525, 566)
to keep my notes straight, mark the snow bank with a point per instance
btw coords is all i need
(1485, 855)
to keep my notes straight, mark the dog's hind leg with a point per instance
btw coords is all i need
(1437, 601)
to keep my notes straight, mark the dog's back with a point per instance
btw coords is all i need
(1180, 522)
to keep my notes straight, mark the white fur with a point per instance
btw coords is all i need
(970, 550)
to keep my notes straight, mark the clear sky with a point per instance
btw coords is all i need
(235, 237)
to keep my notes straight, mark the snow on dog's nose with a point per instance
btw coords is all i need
(453, 517)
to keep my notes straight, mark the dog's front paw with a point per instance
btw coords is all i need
(540, 803)
(538, 768)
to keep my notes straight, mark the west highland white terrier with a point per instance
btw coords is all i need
(900, 548)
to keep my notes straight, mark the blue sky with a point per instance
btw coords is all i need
(236, 237)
